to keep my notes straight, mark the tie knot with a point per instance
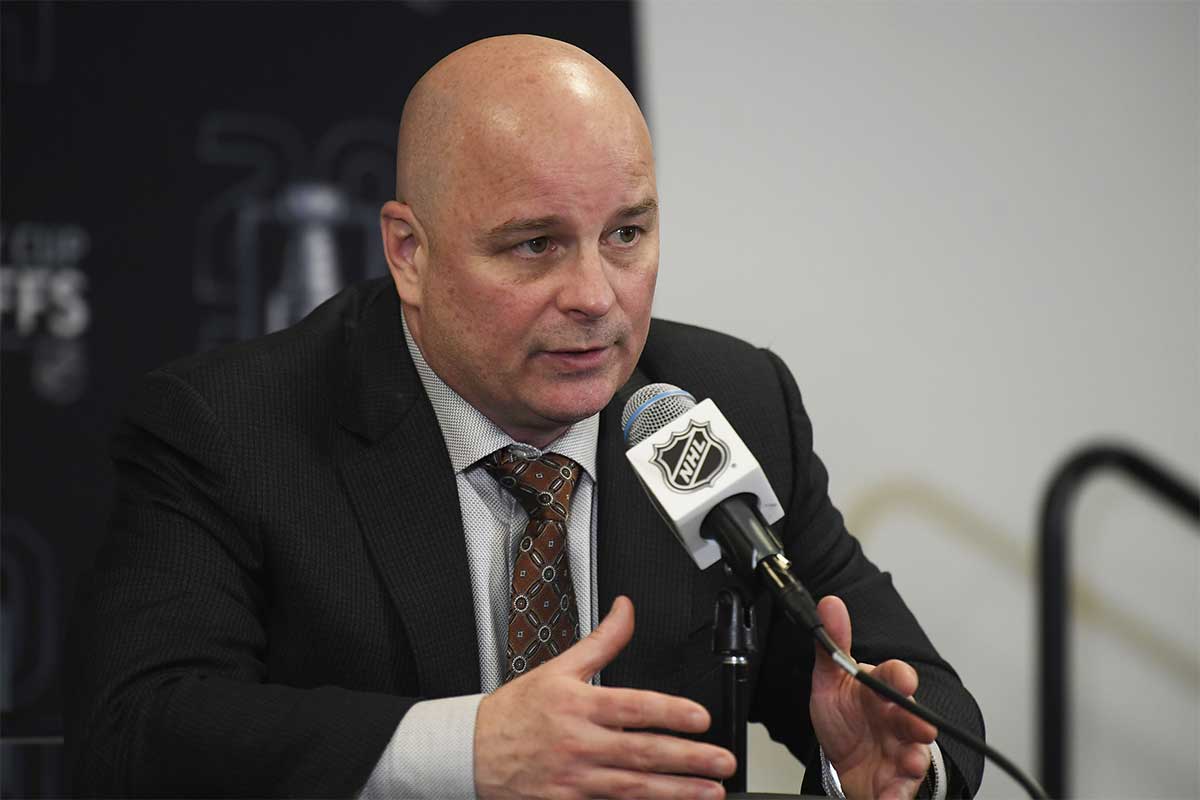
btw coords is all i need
(543, 486)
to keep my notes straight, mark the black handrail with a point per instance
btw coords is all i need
(1055, 598)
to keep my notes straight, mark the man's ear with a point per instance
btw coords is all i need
(406, 249)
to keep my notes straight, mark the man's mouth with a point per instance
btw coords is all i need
(579, 358)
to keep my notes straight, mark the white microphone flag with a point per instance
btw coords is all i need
(690, 465)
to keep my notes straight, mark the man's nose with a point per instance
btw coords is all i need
(587, 287)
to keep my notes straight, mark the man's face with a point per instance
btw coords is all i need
(539, 273)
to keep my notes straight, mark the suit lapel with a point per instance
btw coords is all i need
(398, 475)
(639, 557)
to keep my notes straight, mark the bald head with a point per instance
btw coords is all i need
(496, 95)
(523, 241)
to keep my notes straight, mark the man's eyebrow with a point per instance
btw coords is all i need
(521, 225)
(647, 206)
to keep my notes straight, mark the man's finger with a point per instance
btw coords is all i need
(596, 650)
(638, 708)
(907, 727)
(915, 760)
(899, 675)
(653, 752)
(903, 678)
(620, 783)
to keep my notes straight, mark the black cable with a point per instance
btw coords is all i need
(801, 610)
(943, 725)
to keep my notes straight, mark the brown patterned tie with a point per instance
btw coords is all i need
(542, 619)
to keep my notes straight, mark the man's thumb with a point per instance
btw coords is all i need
(836, 620)
(594, 652)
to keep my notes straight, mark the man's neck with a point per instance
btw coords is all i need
(537, 436)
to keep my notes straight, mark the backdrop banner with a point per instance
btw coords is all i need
(177, 176)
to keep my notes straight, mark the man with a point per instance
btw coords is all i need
(318, 558)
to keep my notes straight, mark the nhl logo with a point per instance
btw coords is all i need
(692, 459)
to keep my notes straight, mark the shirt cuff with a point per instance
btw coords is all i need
(936, 776)
(431, 754)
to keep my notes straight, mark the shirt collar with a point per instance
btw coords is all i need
(470, 435)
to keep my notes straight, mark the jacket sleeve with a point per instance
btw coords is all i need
(167, 690)
(829, 561)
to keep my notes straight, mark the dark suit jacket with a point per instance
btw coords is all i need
(286, 573)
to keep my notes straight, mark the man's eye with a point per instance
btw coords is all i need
(534, 247)
(627, 234)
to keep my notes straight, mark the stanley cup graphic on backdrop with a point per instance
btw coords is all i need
(309, 213)
(302, 223)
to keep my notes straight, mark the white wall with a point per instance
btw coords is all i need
(972, 231)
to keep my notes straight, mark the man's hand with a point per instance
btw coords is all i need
(879, 749)
(550, 733)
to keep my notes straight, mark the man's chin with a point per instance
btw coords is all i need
(575, 406)
(569, 415)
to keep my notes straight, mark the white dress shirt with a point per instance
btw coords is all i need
(431, 754)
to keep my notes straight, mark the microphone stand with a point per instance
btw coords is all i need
(733, 641)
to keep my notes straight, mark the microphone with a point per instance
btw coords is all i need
(710, 490)
(714, 496)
